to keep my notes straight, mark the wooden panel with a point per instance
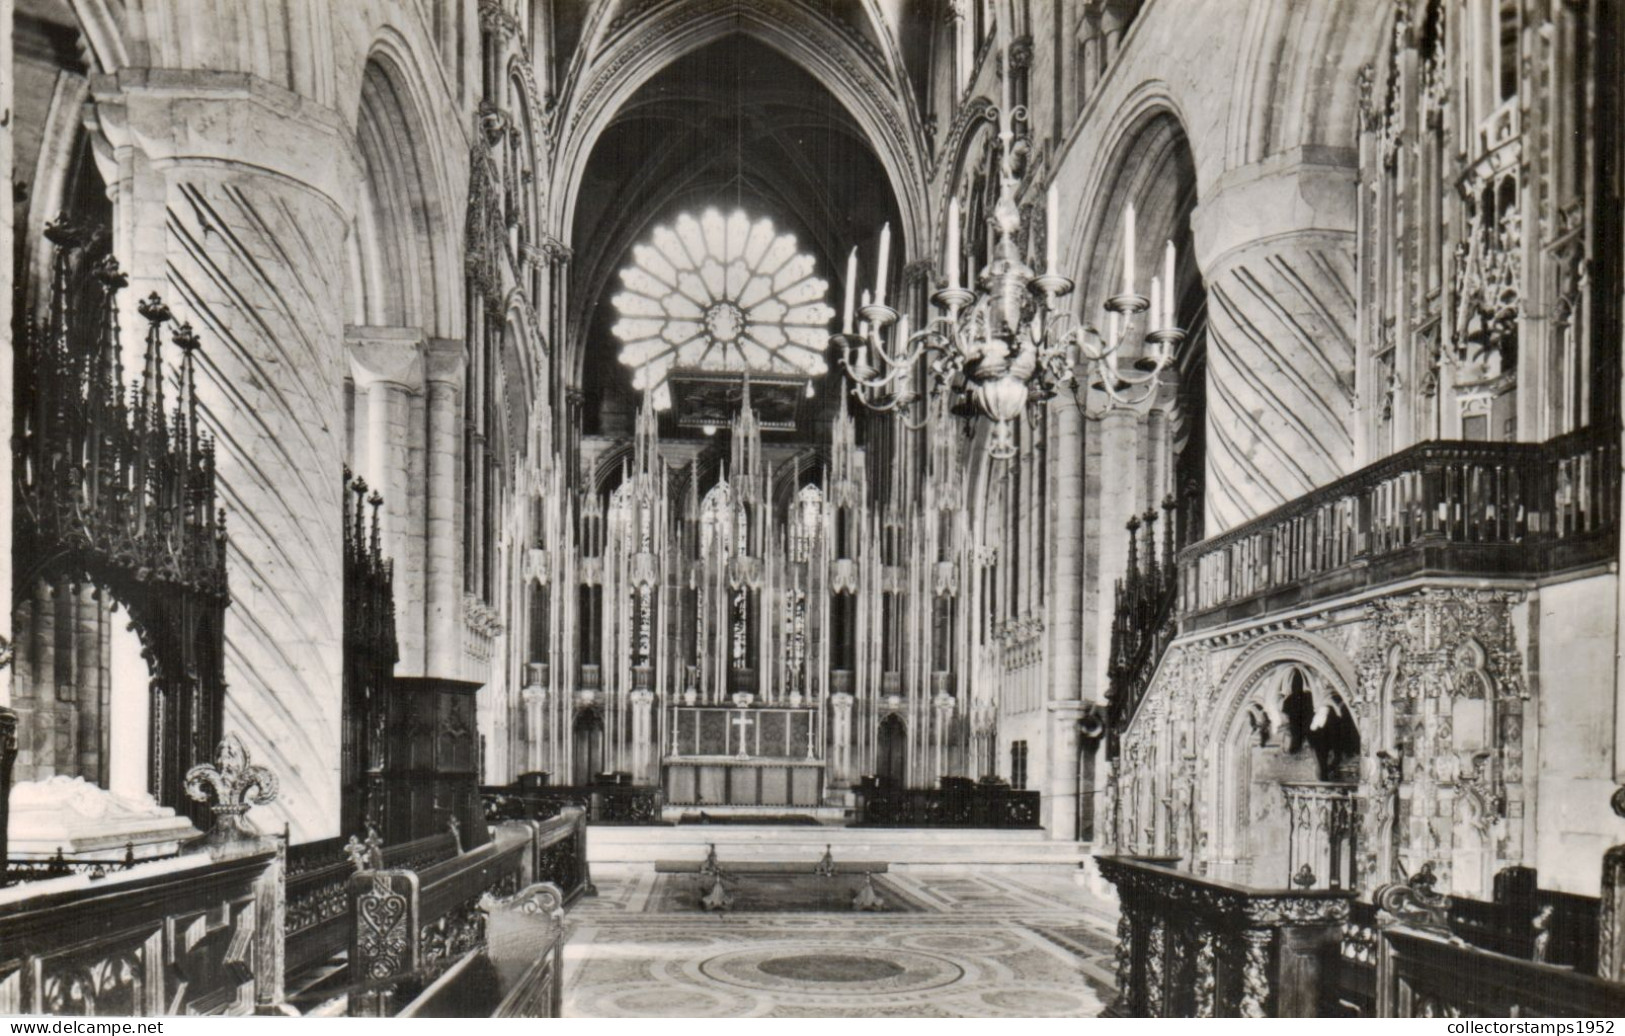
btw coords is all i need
(804, 786)
(713, 785)
(775, 786)
(744, 787)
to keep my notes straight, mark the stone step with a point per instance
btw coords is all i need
(638, 847)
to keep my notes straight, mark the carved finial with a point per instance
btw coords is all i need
(358, 852)
(236, 784)
(185, 337)
(110, 275)
(153, 309)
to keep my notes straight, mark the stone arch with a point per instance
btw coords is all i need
(1290, 93)
(403, 271)
(974, 124)
(636, 53)
(1152, 109)
(1259, 676)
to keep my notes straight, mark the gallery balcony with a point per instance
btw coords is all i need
(1444, 508)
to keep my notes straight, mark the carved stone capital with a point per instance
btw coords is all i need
(444, 361)
(385, 355)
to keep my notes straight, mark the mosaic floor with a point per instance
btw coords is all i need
(981, 945)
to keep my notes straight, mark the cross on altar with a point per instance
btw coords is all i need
(743, 722)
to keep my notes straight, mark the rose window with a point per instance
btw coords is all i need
(718, 293)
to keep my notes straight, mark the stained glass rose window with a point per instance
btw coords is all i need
(720, 293)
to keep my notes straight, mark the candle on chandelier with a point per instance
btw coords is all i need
(952, 258)
(1128, 250)
(1052, 229)
(851, 290)
(1168, 284)
(1004, 70)
(885, 260)
(1156, 304)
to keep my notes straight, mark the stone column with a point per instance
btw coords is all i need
(1116, 503)
(1275, 242)
(239, 193)
(642, 700)
(444, 364)
(1064, 618)
(535, 698)
(943, 704)
(386, 365)
(841, 738)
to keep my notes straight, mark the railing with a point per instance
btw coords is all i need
(1323, 819)
(191, 935)
(1189, 946)
(318, 881)
(1426, 975)
(61, 865)
(561, 854)
(602, 804)
(954, 805)
(1438, 508)
(1523, 927)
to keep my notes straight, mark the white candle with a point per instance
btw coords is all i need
(1128, 250)
(885, 261)
(851, 290)
(1168, 286)
(1052, 230)
(1004, 62)
(952, 258)
(1111, 343)
(1156, 304)
(900, 346)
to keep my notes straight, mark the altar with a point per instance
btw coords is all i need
(725, 756)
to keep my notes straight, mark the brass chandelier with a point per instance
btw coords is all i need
(1012, 343)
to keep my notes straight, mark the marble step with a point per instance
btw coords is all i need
(639, 847)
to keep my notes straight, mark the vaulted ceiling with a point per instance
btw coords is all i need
(735, 125)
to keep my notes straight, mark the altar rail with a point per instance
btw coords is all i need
(975, 806)
(600, 804)
(318, 877)
(1437, 508)
(1189, 946)
(189, 935)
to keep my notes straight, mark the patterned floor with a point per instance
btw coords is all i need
(987, 945)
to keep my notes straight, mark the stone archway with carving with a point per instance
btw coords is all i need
(1253, 690)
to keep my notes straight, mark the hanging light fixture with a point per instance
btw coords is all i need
(1011, 342)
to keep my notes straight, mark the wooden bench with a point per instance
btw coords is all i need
(318, 877)
(519, 973)
(475, 935)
